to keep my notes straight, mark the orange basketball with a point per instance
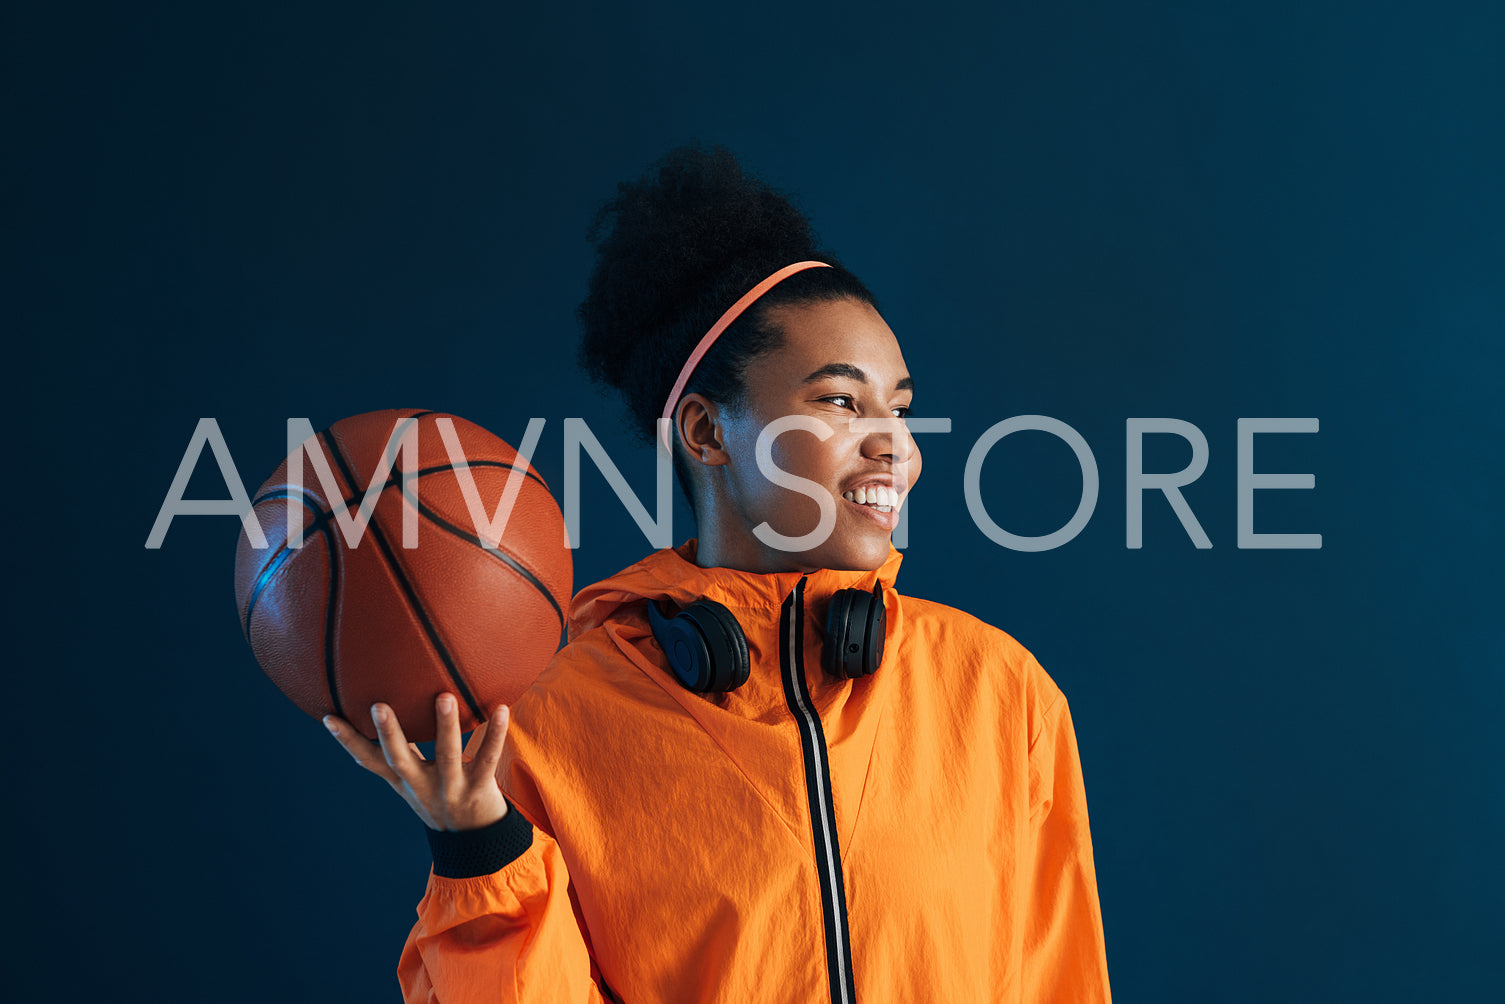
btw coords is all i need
(338, 627)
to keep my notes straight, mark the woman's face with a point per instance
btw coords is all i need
(840, 361)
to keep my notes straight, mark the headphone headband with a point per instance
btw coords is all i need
(732, 313)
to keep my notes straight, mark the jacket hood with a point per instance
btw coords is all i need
(671, 574)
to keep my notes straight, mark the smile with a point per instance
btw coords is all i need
(879, 504)
(879, 496)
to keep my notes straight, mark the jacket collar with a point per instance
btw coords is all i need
(671, 574)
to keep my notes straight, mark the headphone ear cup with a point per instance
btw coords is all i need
(704, 645)
(856, 628)
(730, 664)
(684, 647)
(833, 652)
(876, 624)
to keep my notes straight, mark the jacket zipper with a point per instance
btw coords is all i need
(818, 789)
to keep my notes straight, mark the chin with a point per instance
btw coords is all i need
(854, 553)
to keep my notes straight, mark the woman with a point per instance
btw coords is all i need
(868, 797)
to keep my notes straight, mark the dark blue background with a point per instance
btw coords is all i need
(1087, 211)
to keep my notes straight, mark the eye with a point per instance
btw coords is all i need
(902, 411)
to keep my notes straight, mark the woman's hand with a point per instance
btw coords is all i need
(450, 792)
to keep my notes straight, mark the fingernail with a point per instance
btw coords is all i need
(378, 713)
(330, 725)
(446, 703)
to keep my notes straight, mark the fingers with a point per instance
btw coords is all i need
(394, 758)
(444, 793)
(473, 744)
(362, 750)
(447, 741)
(490, 752)
(394, 745)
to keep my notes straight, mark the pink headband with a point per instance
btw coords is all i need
(732, 313)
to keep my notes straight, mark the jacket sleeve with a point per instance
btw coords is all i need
(496, 923)
(1065, 959)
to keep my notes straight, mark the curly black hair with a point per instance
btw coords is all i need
(674, 249)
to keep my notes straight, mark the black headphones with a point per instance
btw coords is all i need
(707, 650)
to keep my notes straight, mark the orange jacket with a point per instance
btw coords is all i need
(922, 836)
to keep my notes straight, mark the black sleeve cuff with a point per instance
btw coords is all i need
(470, 853)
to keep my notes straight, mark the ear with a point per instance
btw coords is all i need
(698, 422)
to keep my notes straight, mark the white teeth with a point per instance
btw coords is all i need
(879, 496)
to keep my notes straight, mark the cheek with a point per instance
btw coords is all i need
(803, 455)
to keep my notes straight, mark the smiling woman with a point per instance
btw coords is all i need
(756, 771)
(839, 362)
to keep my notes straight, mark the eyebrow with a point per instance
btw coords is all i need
(851, 372)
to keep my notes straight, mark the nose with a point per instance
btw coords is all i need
(889, 439)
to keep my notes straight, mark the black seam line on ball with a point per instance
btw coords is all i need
(407, 586)
(504, 464)
(496, 552)
(818, 790)
(321, 526)
(330, 613)
(393, 479)
(527, 470)
(283, 551)
(482, 463)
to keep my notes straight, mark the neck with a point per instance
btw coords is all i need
(721, 546)
(725, 539)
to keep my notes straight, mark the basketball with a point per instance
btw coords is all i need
(418, 603)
